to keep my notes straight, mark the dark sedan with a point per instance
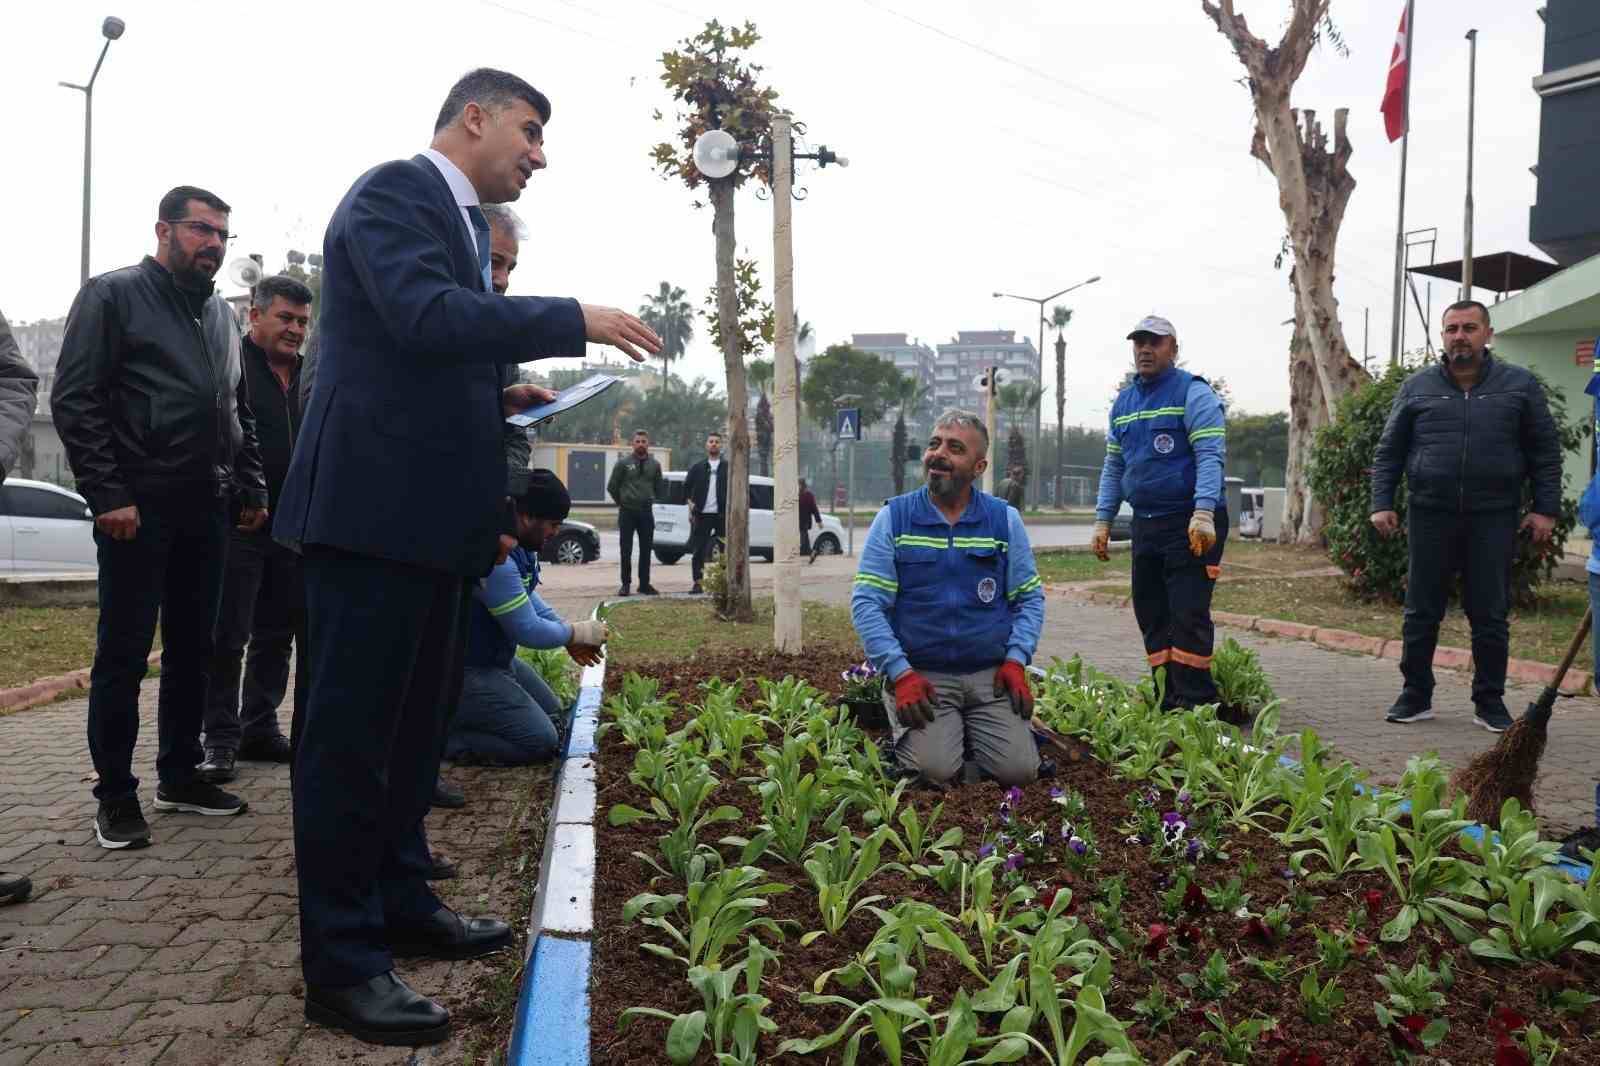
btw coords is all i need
(578, 542)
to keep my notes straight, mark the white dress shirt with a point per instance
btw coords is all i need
(461, 188)
(712, 503)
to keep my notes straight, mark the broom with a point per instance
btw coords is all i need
(1508, 770)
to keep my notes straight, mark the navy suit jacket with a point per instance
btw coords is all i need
(400, 455)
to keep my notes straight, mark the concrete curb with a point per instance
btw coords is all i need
(47, 689)
(1576, 683)
(551, 1027)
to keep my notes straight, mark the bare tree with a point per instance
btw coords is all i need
(1314, 187)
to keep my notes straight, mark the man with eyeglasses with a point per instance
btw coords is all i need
(148, 403)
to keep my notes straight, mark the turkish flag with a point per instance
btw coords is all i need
(1394, 93)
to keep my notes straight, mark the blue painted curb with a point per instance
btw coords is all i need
(553, 1010)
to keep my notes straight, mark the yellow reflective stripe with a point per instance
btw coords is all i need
(1027, 586)
(1154, 412)
(978, 542)
(1111, 447)
(509, 606)
(1214, 431)
(914, 541)
(874, 581)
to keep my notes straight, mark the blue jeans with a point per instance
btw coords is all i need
(507, 716)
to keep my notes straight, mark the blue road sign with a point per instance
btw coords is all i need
(847, 423)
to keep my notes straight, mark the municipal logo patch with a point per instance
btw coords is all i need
(1164, 443)
(986, 590)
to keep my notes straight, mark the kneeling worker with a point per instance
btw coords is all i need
(508, 714)
(948, 606)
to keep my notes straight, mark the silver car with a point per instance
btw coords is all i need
(45, 528)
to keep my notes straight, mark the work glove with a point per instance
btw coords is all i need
(1011, 680)
(1100, 543)
(590, 633)
(913, 699)
(583, 654)
(1202, 533)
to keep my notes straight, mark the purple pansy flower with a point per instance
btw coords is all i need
(1183, 798)
(1078, 845)
(1013, 862)
(985, 850)
(1194, 850)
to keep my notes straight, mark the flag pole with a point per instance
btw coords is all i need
(1472, 106)
(1400, 225)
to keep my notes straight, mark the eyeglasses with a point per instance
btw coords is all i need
(205, 229)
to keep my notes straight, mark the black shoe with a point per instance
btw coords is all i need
(447, 795)
(199, 797)
(623, 591)
(381, 1010)
(444, 867)
(273, 749)
(14, 888)
(1406, 710)
(697, 590)
(648, 590)
(219, 768)
(1575, 844)
(444, 934)
(1493, 717)
(121, 824)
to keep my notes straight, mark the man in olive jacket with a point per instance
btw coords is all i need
(636, 482)
(1466, 434)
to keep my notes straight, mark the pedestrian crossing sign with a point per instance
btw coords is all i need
(847, 423)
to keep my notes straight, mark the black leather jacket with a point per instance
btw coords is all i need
(1469, 450)
(147, 396)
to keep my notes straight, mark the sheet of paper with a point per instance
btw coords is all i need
(565, 400)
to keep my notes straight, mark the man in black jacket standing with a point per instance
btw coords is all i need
(1466, 434)
(161, 440)
(705, 486)
(263, 602)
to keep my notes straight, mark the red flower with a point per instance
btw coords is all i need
(1406, 1034)
(1158, 939)
(1191, 935)
(1508, 1054)
(1508, 1020)
(1194, 900)
(1286, 1057)
(1255, 927)
(1374, 900)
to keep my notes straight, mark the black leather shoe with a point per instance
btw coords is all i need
(381, 1010)
(14, 888)
(648, 590)
(219, 768)
(447, 795)
(444, 867)
(447, 935)
(273, 749)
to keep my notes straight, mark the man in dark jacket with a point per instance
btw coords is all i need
(18, 394)
(809, 516)
(262, 597)
(161, 439)
(705, 486)
(1466, 434)
(636, 482)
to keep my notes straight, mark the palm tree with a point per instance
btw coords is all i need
(1059, 317)
(909, 393)
(1018, 400)
(760, 375)
(669, 314)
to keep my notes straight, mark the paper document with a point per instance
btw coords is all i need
(565, 400)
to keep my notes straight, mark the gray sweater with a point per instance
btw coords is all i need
(19, 389)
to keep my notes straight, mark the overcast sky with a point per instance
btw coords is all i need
(1009, 146)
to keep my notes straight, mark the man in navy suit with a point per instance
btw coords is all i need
(396, 497)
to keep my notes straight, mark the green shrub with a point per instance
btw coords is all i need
(1341, 480)
(557, 669)
(1240, 678)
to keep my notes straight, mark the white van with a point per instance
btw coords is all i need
(672, 523)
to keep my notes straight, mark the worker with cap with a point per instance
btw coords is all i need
(507, 714)
(948, 606)
(1164, 456)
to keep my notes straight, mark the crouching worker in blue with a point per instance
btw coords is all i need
(948, 606)
(508, 714)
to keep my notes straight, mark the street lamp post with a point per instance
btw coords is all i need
(111, 29)
(1039, 366)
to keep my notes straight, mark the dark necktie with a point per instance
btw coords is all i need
(480, 233)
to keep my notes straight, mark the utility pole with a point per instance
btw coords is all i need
(111, 28)
(989, 392)
(786, 635)
(1472, 106)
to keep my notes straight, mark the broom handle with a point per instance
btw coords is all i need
(1572, 649)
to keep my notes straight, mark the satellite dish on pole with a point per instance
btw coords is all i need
(245, 272)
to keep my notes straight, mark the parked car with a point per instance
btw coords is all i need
(672, 523)
(1251, 512)
(44, 527)
(578, 542)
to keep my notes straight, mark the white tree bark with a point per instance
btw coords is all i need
(786, 636)
(1314, 188)
(735, 602)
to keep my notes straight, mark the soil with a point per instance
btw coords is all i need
(625, 976)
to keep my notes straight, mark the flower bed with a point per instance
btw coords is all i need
(765, 890)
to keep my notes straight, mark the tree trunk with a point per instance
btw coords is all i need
(897, 460)
(1314, 188)
(735, 602)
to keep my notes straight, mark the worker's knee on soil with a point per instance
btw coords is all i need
(1016, 769)
(937, 764)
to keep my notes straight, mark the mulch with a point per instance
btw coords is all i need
(625, 976)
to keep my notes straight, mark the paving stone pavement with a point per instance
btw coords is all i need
(187, 952)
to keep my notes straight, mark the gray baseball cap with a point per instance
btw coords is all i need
(1154, 324)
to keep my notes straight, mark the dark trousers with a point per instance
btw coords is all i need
(507, 717)
(1480, 547)
(171, 569)
(805, 539)
(381, 636)
(644, 524)
(708, 530)
(262, 599)
(1172, 602)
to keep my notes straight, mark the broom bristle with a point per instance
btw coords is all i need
(1506, 771)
